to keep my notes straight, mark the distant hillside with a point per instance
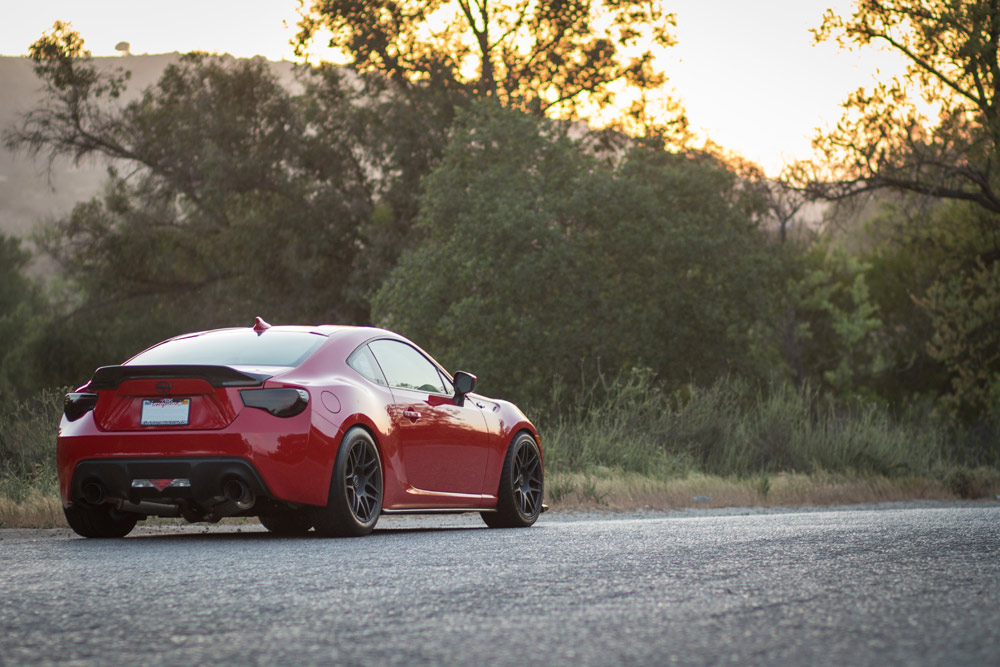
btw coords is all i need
(28, 192)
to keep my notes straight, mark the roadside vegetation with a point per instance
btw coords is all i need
(625, 443)
(29, 492)
(674, 324)
(628, 443)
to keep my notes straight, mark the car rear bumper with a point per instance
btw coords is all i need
(292, 465)
(202, 481)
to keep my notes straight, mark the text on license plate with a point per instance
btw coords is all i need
(165, 411)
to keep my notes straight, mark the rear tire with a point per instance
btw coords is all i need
(287, 522)
(101, 521)
(519, 498)
(355, 500)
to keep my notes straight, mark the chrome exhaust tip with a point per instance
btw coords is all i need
(238, 493)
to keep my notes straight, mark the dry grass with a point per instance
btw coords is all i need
(613, 490)
(38, 510)
(625, 491)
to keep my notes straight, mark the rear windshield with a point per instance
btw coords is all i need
(233, 347)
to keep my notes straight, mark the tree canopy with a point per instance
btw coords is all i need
(929, 141)
(226, 194)
(549, 57)
(886, 138)
(538, 260)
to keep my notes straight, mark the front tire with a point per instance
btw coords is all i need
(99, 521)
(355, 500)
(519, 498)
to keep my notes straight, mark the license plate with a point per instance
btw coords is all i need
(165, 411)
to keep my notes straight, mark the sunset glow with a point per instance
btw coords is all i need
(748, 74)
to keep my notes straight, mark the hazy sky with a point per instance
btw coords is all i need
(747, 72)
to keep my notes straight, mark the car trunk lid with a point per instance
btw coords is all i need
(141, 398)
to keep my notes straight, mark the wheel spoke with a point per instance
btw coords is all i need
(369, 465)
(526, 480)
(362, 480)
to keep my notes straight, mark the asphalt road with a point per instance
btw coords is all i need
(888, 586)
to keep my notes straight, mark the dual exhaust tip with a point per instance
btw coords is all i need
(93, 493)
(234, 490)
(237, 492)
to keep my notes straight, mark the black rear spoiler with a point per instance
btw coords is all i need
(109, 377)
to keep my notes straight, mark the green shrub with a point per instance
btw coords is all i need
(621, 423)
(28, 432)
(732, 428)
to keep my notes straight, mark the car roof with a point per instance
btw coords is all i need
(349, 335)
(319, 329)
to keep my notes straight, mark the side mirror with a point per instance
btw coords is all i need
(464, 384)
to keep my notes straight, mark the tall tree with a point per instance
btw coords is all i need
(417, 63)
(227, 197)
(22, 311)
(931, 134)
(536, 258)
(550, 57)
(884, 139)
(398, 135)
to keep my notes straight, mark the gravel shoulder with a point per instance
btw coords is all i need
(472, 520)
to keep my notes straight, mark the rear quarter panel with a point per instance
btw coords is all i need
(341, 399)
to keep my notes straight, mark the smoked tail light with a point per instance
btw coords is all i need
(78, 403)
(280, 402)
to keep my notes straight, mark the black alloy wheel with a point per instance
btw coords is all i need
(363, 481)
(355, 500)
(519, 498)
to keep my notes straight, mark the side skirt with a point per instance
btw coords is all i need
(448, 510)
(445, 510)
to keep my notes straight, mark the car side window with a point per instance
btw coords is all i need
(407, 368)
(363, 361)
(449, 388)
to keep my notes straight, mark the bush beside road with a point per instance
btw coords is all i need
(626, 445)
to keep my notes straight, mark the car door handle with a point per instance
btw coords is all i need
(412, 415)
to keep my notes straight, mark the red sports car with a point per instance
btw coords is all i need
(323, 427)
